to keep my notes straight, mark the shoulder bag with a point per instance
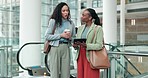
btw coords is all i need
(99, 58)
(47, 46)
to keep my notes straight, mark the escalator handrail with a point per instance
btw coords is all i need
(46, 63)
(18, 53)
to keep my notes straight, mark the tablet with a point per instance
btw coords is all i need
(80, 40)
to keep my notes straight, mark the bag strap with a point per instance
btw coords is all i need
(95, 34)
(54, 29)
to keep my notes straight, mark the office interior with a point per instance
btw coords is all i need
(124, 22)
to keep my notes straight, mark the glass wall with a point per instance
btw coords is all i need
(9, 22)
(9, 37)
(97, 3)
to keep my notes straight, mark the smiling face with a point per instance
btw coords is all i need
(65, 12)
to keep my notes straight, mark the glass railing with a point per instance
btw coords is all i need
(127, 61)
(122, 68)
(6, 64)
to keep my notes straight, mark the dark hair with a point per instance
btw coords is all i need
(94, 15)
(57, 15)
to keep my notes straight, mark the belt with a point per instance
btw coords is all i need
(61, 42)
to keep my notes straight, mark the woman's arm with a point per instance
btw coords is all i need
(98, 40)
(48, 33)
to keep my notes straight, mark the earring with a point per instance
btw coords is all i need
(93, 20)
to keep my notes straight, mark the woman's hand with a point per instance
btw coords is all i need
(66, 35)
(83, 44)
(76, 44)
(79, 43)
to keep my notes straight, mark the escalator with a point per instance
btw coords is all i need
(39, 70)
(33, 70)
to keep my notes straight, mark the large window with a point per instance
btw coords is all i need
(97, 3)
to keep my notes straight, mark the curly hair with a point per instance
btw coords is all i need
(57, 15)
